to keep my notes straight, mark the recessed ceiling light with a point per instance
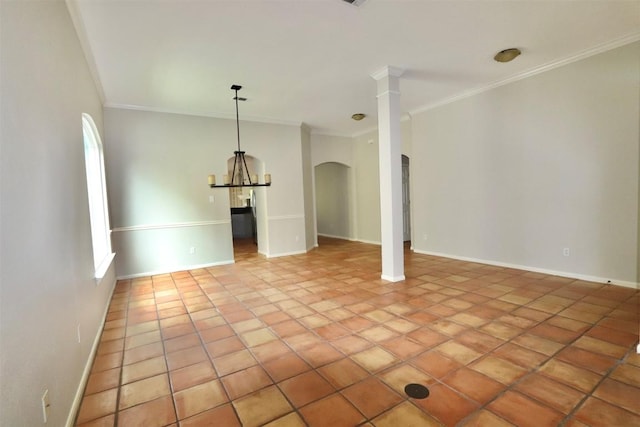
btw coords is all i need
(507, 55)
(358, 116)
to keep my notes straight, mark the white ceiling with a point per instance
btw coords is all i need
(310, 61)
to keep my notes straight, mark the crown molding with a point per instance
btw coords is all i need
(631, 38)
(215, 115)
(81, 32)
(387, 71)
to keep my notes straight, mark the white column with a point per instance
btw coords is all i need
(390, 152)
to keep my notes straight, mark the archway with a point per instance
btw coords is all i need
(333, 200)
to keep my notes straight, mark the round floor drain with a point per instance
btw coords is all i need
(417, 391)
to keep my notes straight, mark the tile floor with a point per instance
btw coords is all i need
(319, 340)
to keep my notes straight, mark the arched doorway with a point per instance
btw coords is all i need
(333, 200)
(246, 210)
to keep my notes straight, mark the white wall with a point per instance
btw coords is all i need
(157, 165)
(518, 173)
(333, 199)
(46, 274)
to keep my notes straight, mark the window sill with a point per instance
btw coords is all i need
(101, 271)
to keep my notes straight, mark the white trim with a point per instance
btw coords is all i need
(81, 32)
(104, 267)
(174, 269)
(170, 225)
(638, 349)
(369, 242)
(284, 217)
(392, 278)
(631, 38)
(587, 278)
(285, 254)
(212, 114)
(387, 71)
(77, 399)
(331, 236)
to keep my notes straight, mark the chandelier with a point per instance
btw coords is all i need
(240, 176)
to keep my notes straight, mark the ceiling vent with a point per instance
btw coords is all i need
(355, 2)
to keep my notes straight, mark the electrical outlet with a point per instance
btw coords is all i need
(46, 405)
(566, 252)
(424, 237)
(192, 250)
(78, 334)
(211, 199)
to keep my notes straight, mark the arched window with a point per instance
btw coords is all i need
(97, 191)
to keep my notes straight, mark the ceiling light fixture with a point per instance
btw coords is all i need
(507, 55)
(358, 116)
(240, 176)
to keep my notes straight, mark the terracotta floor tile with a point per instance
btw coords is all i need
(473, 384)
(627, 374)
(403, 347)
(305, 388)
(188, 356)
(108, 421)
(216, 333)
(159, 412)
(520, 356)
(292, 419)
(522, 411)
(428, 337)
(458, 352)
(180, 343)
(501, 330)
(470, 331)
(286, 366)
(247, 381)
(597, 413)
(586, 359)
(479, 341)
(221, 416)
(398, 377)
(199, 398)
(374, 359)
(541, 345)
(550, 392)
(484, 418)
(446, 405)
(106, 362)
(333, 411)
(435, 364)
(143, 352)
(599, 346)
(270, 351)
(371, 397)
(261, 407)
(146, 368)
(320, 354)
(447, 327)
(405, 414)
(571, 375)
(619, 394)
(499, 369)
(101, 381)
(224, 346)
(143, 391)
(553, 333)
(343, 373)
(97, 405)
(613, 336)
(234, 362)
(192, 375)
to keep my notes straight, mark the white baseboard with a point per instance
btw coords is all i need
(77, 400)
(586, 278)
(285, 254)
(392, 278)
